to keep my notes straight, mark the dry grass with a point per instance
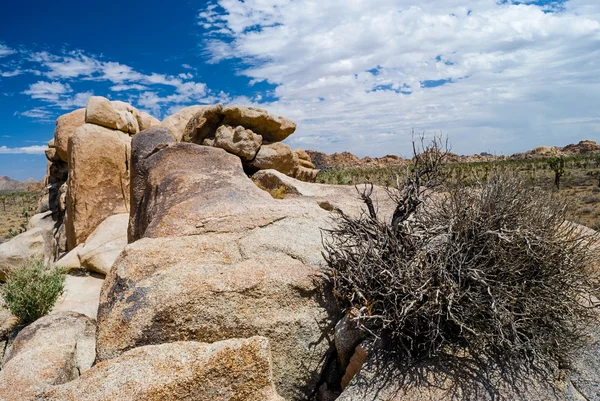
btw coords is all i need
(15, 209)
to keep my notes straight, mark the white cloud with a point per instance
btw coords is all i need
(48, 91)
(359, 75)
(13, 73)
(121, 88)
(30, 150)
(185, 75)
(36, 113)
(5, 50)
(187, 67)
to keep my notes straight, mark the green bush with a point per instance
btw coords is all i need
(493, 274)
(31, 290)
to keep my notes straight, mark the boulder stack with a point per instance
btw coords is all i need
(250, 133)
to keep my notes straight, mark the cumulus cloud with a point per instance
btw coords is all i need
(360, 75)
(48, 91)
(30, 150)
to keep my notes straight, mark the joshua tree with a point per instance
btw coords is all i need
(557, 164)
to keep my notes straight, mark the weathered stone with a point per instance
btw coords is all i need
(224, 371)
(51, 143)
(329, 197)
(70, 261)
(81, 294)
(142, 146)
(104, 245)
(146, 121)
(304, 159)
(217, 286)
(277, 156)
(30, 244)
(239, 141)
(305, 174)
(117, 115)
(55, 349)
(271, 128)
(181, 178)
(347, 337)
(52, 154)
(203, 124)
(98, 180)
(237, 263)
(42, 220)
(65, 128)
(176, 123)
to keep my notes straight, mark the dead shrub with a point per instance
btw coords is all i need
(493, 272)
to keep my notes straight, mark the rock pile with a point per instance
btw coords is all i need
(250, 133)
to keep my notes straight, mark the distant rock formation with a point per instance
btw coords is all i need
(8, 184)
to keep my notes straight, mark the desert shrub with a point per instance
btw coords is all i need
(493, 272)
(31, 290)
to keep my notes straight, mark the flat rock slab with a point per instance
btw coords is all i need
(81, 294)
(232, 370)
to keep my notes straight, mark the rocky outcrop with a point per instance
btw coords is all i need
(98, 180)
(104, 245)
(276, 156)
(271, 128)
(53, 350)
(238, 141)
(30, 244)
(224, 371)
(177, 122)
(81, 294)
(242, 131)
(65, 128)
(215, 257)
(102, 112)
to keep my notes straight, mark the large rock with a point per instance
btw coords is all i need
(142, 146)
(271, 128)
(177, 122)
(330, 197)
(229, 370)
(277, 156)
(65, 128)
(55, 349)
(236, 263)
(98, 180)
(104, 245)
(239, 141)
(33, 243)
(81, 294)
(100, 111)
(203, 124)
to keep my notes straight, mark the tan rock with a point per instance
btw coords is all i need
(224, 371)
(81, 294)
(52, 154)
(305, 174)
(55, 349)
(142, 146)
(30, 244)
(98, 180)
(51, 143)
(271, 128)
(236, 263)
(176, 123)
(239, 141)
(146, 121)
(104, 245)
(70, 261)
(213, 287)
(277, 156)
(65, 128)
(203, 124)
(329, 197)
(114, 115)
(304, 158)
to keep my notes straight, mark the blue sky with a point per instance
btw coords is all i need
(356, 75)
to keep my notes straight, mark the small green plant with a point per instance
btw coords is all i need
(31, 290)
